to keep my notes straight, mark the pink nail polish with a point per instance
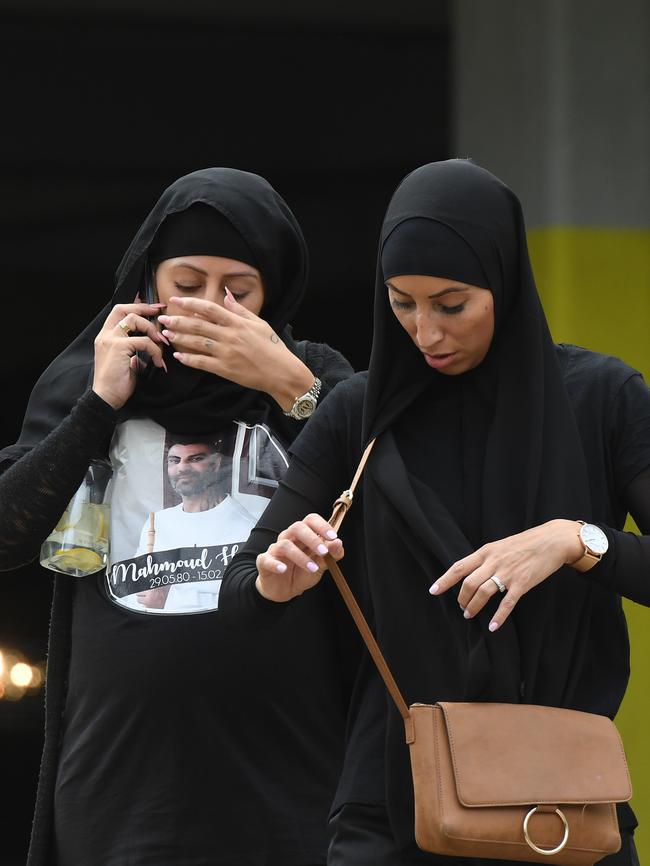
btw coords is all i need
(312, 567)
(321, 549)
(466, 614)
(331, 534)
(493, 626)
(434, 589)
(281, 567)
(169, 334)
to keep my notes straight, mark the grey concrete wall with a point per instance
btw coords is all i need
(553, 96)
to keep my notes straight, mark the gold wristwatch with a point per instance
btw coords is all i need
(304, 406)
(595, 544)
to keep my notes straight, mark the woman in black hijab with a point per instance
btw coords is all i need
(492, 445)
(168, 739)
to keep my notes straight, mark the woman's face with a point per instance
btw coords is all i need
(451, 323)
(207, 277)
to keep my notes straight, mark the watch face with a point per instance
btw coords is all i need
(304, 408)
(594, 539)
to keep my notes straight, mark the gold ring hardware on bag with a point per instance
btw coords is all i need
(548, 852)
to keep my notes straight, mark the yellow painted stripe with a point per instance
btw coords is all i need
(595, 288)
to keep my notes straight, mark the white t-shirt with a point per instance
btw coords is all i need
(226, 523)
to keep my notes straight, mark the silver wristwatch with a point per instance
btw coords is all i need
(304, 406)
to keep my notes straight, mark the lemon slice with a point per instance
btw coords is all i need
(90, 518)
(77, 559)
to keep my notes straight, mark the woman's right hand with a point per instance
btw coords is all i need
(116, 363)
(295, 561)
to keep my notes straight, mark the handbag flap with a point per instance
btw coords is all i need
(520, 754)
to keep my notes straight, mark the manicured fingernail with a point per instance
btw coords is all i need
(321, 549)
(164, 319)
(466, 614)
(434, 589)
(169, 334)
(312, 566)
(461, 607)
(281, 567)
(331, 534)
(493, 626)
(162, 339)
(164, 366)
(178, 355)
(175, 300)
(229, 294)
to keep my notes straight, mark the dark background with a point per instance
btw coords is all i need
(332, 103)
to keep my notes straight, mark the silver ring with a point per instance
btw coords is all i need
(500, 586)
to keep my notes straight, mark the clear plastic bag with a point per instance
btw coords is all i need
(78, 544)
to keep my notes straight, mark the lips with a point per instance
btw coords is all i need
(441, 360)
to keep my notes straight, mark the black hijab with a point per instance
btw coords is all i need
(521, 453)
(250, 219)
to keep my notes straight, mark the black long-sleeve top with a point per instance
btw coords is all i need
(612, 409)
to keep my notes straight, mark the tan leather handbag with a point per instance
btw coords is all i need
(504, 781)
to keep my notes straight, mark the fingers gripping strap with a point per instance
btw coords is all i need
(341, 507)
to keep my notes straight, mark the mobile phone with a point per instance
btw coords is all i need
(149, 295)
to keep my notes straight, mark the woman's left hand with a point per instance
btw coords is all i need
(235, 344)
(519, 563)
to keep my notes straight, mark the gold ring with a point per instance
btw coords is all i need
(548, 852)
(124, 327)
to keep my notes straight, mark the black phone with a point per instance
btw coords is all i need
(148, 295)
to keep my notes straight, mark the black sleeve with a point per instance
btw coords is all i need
(329, 365)
(300, 493)
(626, 567)
(36, 489)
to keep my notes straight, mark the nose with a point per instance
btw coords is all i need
(429, 332)
(213, 292)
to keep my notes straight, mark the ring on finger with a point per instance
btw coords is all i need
(499, 584)
(123, 325)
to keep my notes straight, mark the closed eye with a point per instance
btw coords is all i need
(452, 311)
(401, 305)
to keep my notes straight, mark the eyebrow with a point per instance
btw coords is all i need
(192, 454)
(435, 295)
(205, 273)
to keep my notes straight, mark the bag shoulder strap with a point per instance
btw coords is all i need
(343, 503)
(341, 507)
